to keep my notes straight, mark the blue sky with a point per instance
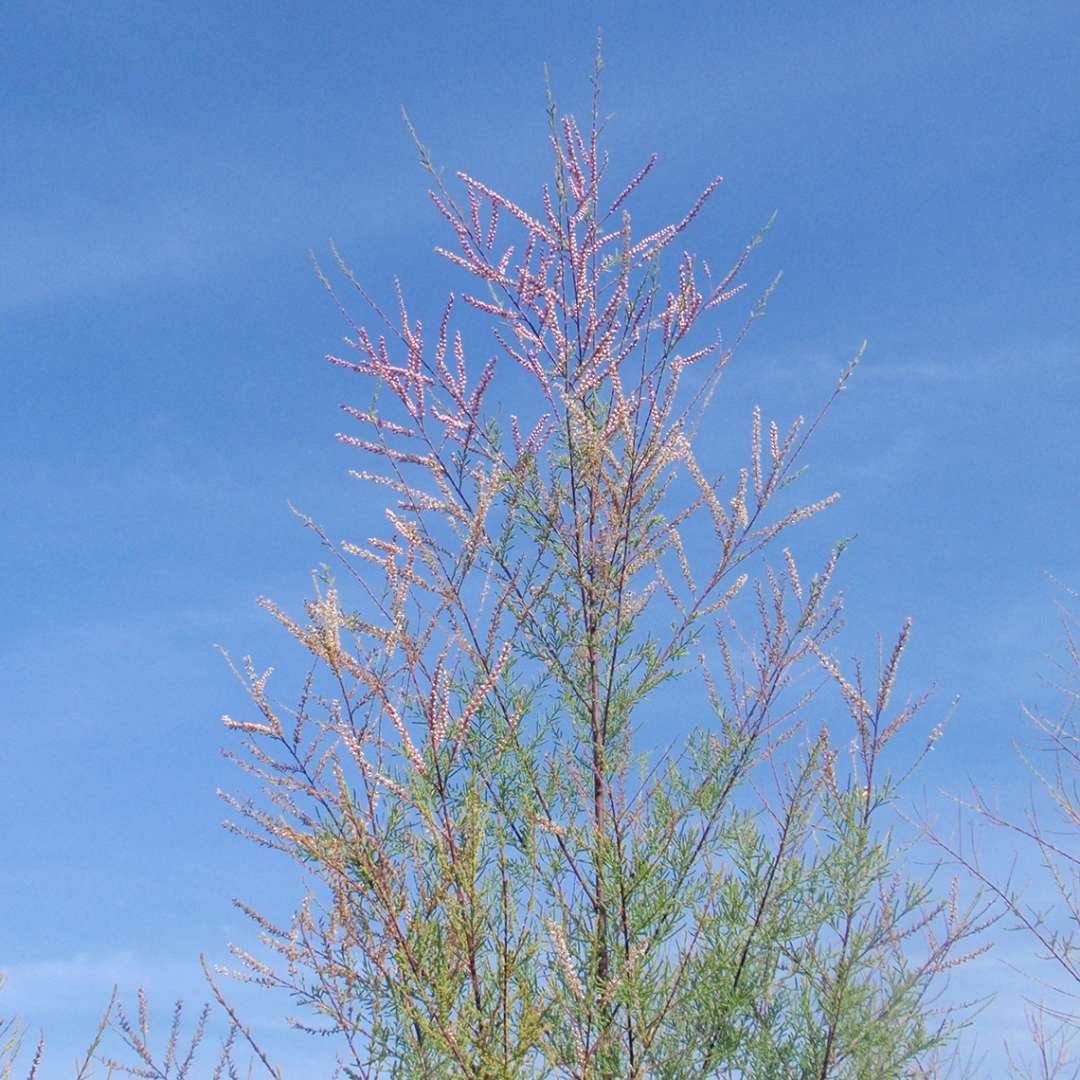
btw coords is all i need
(167, 168)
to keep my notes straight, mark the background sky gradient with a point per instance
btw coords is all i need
(166, 169)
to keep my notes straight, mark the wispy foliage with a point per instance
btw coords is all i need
(175, 1063)
(508, 881)
(1051, 826)
(12, 1034)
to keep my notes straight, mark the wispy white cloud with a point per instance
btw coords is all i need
(49, 257)
(52, 985)
(896, 455)
(155, 205)
(936, 367)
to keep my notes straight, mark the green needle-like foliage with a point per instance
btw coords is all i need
(509, 883)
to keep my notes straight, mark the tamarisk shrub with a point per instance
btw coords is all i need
(514, 888)
(11, 1032)
(1050, 827)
